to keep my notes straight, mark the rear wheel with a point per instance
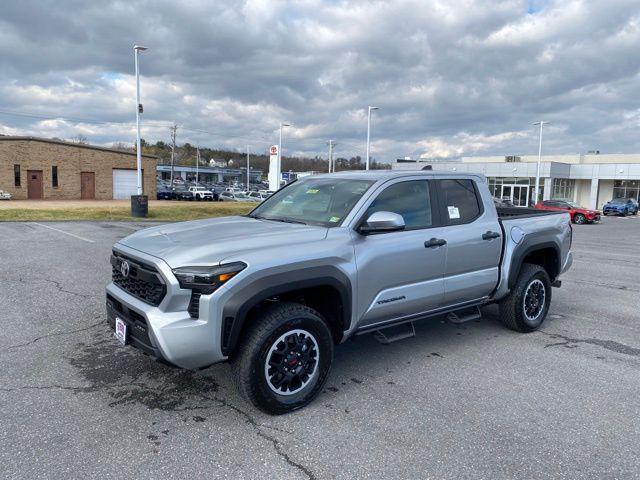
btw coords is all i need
(284, 359)
(579, 219)
(625, 213)
(526, 306)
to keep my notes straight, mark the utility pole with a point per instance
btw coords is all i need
(174, 129)
(537, 188)
(332, 167)
(248, 180)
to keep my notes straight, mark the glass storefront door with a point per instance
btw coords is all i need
(518, 194)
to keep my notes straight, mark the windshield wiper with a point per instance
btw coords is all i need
(283, 219)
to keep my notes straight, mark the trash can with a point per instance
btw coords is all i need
(139, 205)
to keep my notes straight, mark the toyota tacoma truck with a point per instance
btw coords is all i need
(324, 259)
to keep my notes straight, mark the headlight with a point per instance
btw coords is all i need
(207, 279)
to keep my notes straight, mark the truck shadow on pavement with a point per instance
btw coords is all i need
(129, 377)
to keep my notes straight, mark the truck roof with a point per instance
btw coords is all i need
(390, 174)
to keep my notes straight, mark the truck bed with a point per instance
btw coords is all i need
(520, 212)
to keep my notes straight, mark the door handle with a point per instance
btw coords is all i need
(489, 235)
(435, 242)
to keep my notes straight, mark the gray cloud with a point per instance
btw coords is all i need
(451, 77)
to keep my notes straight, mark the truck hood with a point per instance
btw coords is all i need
(209, 241)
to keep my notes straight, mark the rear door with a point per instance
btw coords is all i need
(398, 273)
(474, 242)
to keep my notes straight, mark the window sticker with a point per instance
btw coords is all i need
(312, 191)
(453, 212)
(334, 219)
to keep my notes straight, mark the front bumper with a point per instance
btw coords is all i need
(167, 332)
(612, 211)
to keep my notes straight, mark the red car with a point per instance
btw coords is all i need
(578, 214)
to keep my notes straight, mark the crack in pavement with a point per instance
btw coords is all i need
(277, 445)
(57, 284)
(604, 285)
(610, 345)
(79, 389)
(57, 334)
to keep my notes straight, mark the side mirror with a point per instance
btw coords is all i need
(379, 222)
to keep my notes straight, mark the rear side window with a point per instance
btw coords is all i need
(459, 201)
(409, 199)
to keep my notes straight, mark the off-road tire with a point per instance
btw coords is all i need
(512, 312)
(248, 363)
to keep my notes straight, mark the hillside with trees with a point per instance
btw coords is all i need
(186, 155)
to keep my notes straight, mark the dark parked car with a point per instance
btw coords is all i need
(620, 206)
(164, 194)
(182, 193)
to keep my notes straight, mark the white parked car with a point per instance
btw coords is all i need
(5, 195)
(201, 193)
(258, 196)
(234, 197)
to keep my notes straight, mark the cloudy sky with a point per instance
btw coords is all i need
(451, 77)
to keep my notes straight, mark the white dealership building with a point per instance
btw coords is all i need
(590, 179)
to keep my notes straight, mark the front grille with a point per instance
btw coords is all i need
(143, 281)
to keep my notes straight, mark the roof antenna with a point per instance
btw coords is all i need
(427, 167)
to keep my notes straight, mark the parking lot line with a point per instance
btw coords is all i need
(66, 233)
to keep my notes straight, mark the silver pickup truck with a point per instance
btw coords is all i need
(326, 258)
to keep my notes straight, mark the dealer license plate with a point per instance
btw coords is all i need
(121, 331)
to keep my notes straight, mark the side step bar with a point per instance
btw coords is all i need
(394, 334)
(465, 315)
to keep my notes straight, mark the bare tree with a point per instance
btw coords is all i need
(79, 138)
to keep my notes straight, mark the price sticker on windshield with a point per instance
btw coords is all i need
(453, 212)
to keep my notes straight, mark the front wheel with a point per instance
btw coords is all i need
(526, 306)
(284, 359)
(579, 219)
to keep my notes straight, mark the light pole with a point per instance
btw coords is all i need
(278, 169)
(332, 167)
(369, 134)
(537, 187)
(197, 163)
(248, 180)
(139, 206)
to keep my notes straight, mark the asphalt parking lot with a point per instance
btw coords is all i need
(467, 401)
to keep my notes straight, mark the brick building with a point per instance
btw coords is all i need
(39, 168)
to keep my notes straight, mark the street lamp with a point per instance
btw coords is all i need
(278, 169)
(369, 134)
(139, 205)
(537, 187)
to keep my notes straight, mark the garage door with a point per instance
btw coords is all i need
(125, 183)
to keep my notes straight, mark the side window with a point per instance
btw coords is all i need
(16, 175)
(459, 201)
(410, 199)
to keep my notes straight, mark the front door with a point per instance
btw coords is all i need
(34, 185)
(398, 273)
(518, 194)
(87, 185)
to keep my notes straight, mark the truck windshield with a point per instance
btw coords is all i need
(322, 201)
